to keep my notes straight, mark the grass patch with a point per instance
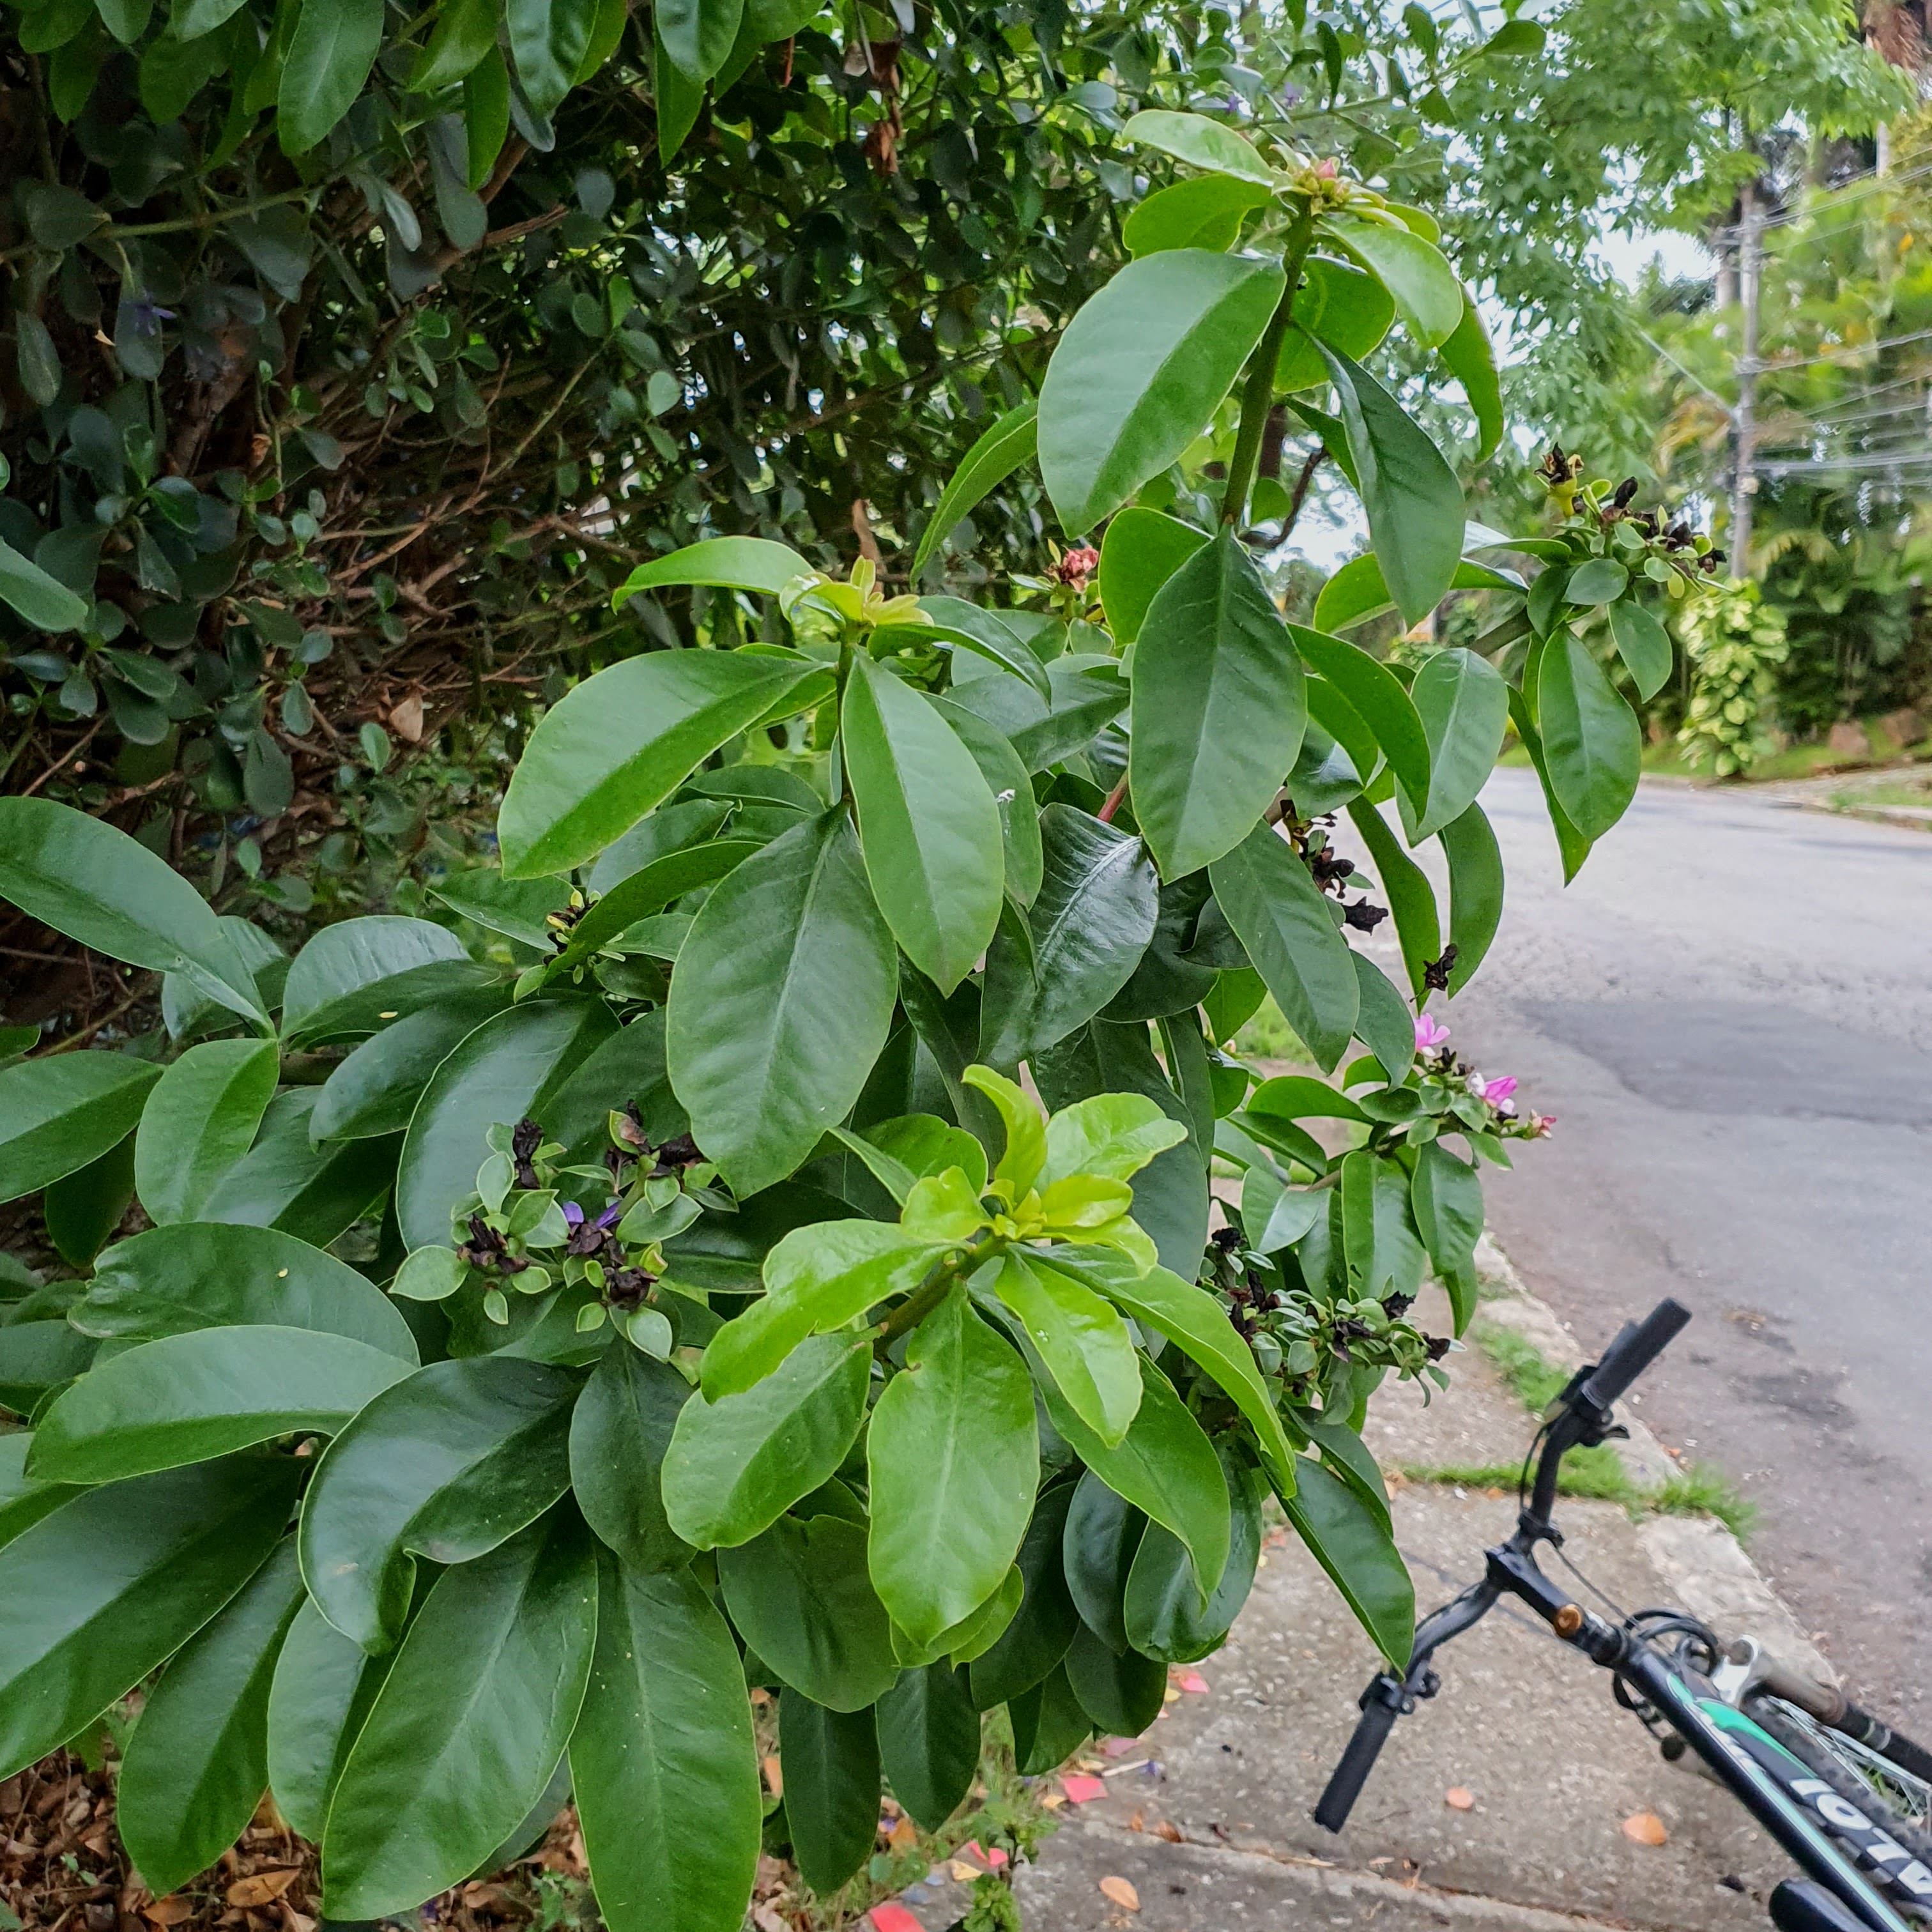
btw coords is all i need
(1267, 1036)
(1535, 1381)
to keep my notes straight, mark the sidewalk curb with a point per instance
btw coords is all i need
(1707, 1567)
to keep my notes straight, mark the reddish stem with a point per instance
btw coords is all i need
(1106, 812)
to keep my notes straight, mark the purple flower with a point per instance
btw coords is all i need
(573, 1215)
(1497, 1091)
(1429, 1033)
(613, 1214)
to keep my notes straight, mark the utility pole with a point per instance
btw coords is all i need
(1751, 279)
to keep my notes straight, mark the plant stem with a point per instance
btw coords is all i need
(1258, 398)
(931, 1292)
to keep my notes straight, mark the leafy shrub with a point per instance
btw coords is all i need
(1736, 642)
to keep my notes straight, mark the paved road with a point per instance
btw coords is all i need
(1730, 1011)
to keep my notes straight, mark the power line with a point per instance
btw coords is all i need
(1864, 396)
(1918, 406)
(1842, 197)
(1847, 354)
(1789, 466)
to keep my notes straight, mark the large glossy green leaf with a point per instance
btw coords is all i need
(323, 1686)
(23, 1501)
(334, 46)
(622, 741)
(468, 1725)
(447, 1465)
(1376, 697)
(1218, 709)
(1003, 447)
(988, 637)
(1269, 899)
(369, 1009)
(1205, 212)
(342, 959)
(1088, 692)
(801, 1599)
(185, 1398)
(1165, 1466)
(199, 1121)
(1360, 1555)
(1337, 304)
(1384, 1025)
(927, 822)
(111, 1584)
(665, 1744)
(781, 1001)
(1413, 502)
(1644, 645)
(285, 1181)
(1084, 1344)
(198, 1763)
(1475, 892)
(1121, 1691)
(200, 1274)
(1140, 370)
(698, 35)
(735, 1466)
(829, 1761)
(505, 1070)
(1006, 775)
(1096, 911)
(619, 1431)
(38, 1356)
(954, 1459)
(464, 35)
(1446, 1198)
(669, 828)
(1415, 271)
(1037, 1638)
(1202, 143)
(728, 563)
(1572, 844)
(929, 1742)
(1141, 550)
(1358, 591)
(1469, 358)
(548, 41)
(1464, 705)
(58, 1114)
(373, 1091)
(1162, 1612)
(1418, 926)
(1592, 744)
(647, 891)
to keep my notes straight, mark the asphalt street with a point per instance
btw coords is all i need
(1729, 1013)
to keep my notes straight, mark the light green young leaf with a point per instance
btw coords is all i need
(727, 563)
(943, 1208)
(1025, 1153)
(1113, 1135)
(1084, 1344)
(899, 1152)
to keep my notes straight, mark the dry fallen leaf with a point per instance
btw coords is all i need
(962, 1873)
(1459, 1797)
(170, 1910)
(406, 720)
(904, 1836)
(1645, 1828)
(1172, 1833)
(1137, 1823)
(259, 1887)
(1052, 1801)
(774, 1777)
(1121, 1893)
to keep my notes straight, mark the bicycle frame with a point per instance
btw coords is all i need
(1581, 1416)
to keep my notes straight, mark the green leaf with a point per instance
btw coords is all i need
(1083, 1343)
(665, 1740)
(1049, 1725)
(621, 742)
(1088, 692)
(1592, 744)
(954, 1460)
(465, 33)
(1571, 843)
(1427, 293)
(59, 1113)
(1218, 709)
(928, 824)
(1644, 645)
(1112, 1136)
(113, 1583)
(486, 115)
(23, 1501)
(97, 885)
(199, 1121)
(508, 1069)
(1475, 892)
(448, 1465)
(1202, 143)
(1035, 1640)
(1121, 1691)
(1359, 1554)
(342, 960)
(1008, 444)
(1162, 1613)
(375, 1090)
(1336, 304)
(1164, 1465)
(186, 1398)
(1447, 1198)
(698, 34)
(1599, 580)
(334, 46)
(647, 891)
(1025, 1150)
(781, 1001)
(1206, 212)
(929, 1742)
(619, 1431)
(548, 41)
(1141, 550)
(1103, 1531)
(199, 1275)
(42, 600)
(369, 1009)
(1140, 370)
(1006, 776)
(1466, 353)
(1464, 705)
(323, 1686)
(829, 1762)
(727, 563)
(817, 1279)
(1385, 1025)
(679, 101)
(1412, 898)
(468, 1725)
(1413, 503)
(1097, 909)
(736, 1464)
(801, 1599)
(1268, 898)
(285, 1181)
(900, 1152)
(1357, 593)
(198, 1762)
(1376, 697)
(83, 1208)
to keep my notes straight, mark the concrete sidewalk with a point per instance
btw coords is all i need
(1212, 1831)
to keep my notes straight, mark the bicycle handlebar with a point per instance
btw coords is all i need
(1637, 1344)
(1379, 1712)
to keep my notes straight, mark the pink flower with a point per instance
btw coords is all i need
(1497, 1091)
(1429, 1033)
(1544, 1123)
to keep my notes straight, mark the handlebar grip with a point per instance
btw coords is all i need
(1636, 1346)
(1379, 1712)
